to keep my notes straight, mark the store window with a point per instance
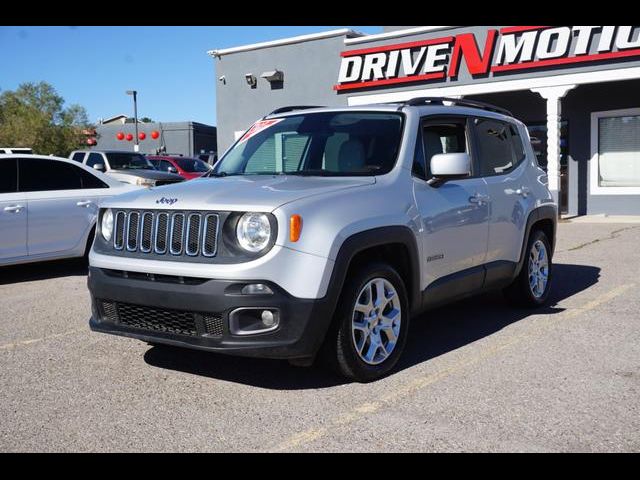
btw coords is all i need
(619, 151)
(615, 148)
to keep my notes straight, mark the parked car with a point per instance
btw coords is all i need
(187, 167)
(324, 230)
(8, 150)
(127, 167)
(48, 207)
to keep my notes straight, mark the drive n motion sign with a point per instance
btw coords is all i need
(509, 50)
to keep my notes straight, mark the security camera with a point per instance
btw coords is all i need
(222, 78)
(251, 79)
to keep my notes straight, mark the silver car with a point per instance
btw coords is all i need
(322, 232)
(48, 207)
(127, 167)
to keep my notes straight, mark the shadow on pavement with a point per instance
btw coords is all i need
(43, 270)
(432, 334)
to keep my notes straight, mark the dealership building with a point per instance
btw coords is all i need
(577, 88)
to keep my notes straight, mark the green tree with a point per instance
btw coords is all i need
(145, 120)
(34, 116)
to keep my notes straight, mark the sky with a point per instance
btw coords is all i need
(168, 66)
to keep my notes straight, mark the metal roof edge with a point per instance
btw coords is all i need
(349, 33)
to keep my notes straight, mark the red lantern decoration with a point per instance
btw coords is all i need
(155, 134)
(142, 135)
(120, 136)
(129, 137)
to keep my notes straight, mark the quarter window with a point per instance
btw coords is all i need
(88, 179)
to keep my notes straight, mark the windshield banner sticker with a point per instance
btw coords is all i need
(258, 127)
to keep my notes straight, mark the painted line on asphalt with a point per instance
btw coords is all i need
(419, 383)
(20, 343)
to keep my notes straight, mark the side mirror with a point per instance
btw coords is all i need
(99, 167)
(449, 166)
(172, 170)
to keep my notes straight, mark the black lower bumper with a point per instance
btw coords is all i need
(302, 323)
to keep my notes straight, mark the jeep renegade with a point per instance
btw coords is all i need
(322, 231)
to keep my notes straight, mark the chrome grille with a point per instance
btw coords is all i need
(160, 232)
(177, 233)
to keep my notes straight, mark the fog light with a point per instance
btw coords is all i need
(256, 289)
(267, 318)
(253, 320)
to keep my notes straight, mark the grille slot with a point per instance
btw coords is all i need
(193, 234)
(210, 236)
(213, 325)
(118, 237)
(132, 231)
(162, 229)
(177, 233)
(145, 237)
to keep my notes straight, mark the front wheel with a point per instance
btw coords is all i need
(531, 287)
(371, 323)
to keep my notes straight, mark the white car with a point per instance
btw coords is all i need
(48, 207)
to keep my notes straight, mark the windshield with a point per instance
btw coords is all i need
(124, 160)
(327, 144)
(192, 165)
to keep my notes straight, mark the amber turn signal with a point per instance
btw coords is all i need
(295, 228)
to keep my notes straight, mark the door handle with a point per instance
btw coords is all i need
(524, 191)
(13, 208)
(479, 199)
(84, 203)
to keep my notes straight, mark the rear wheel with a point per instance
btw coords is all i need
(531, 286)
(371, 323)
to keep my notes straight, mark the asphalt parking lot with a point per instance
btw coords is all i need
(476, 376)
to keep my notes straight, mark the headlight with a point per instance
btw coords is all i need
(106, 227)
(253, 231)
(145, 182)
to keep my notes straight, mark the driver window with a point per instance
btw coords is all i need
(441, 138)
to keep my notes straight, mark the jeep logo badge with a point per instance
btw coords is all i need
(167, 201)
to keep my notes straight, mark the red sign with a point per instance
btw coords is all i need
(258, 127)
(510, 50)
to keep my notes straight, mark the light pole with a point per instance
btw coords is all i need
(136, 147)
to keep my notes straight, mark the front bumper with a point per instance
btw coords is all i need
(302, 326)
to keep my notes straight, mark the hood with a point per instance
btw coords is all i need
(150, 174)
(241, 193)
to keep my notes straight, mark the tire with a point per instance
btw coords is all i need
(341, 346)
(521, 293)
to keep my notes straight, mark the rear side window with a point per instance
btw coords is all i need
(78, 157)
(37, 174)
(89, 180)
(94, 159)
(9, 175)
(495, 147)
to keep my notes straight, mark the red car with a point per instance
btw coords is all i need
(186, 167)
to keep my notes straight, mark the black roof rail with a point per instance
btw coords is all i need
(291, 108)
(456, 101)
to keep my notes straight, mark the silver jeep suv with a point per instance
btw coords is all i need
(322, 231)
